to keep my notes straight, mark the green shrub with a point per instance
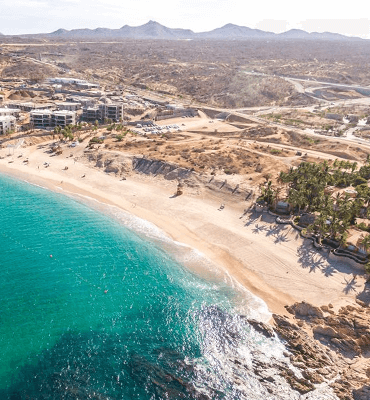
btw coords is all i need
(367, 268)
(359, 181)
(363, 226)
(96, 140)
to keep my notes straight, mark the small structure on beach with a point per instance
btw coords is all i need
(260, 206)
(282, 207)
(179, 190)
(306, 219)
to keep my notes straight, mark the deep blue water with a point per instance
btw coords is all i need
(89, 309)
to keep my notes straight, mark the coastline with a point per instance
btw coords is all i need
(275, 270)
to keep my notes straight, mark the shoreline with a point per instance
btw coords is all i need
(212, 271)
(272, 269)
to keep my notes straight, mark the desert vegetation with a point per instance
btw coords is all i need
(319, 189)
(208, 72)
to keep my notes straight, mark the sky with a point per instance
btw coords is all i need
(43, 16)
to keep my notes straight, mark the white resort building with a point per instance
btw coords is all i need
(91, 114)
(9, 112)
(63, 118)
(7, 124)
(73, 81)
(41, 118)
(47, 118)
(30, 106)
(68, 106)
(113, 111)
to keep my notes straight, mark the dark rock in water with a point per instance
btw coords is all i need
(270, 371)
(165, 380)
(67, 371)
(231, 363)
(260, 327)
(362, 394)
(275, 375)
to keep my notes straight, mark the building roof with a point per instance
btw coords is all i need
(63, 112)
(37, 112)
(114, 105)
(7, 118)
(9, 110)
(67, 103)
(34, 105)
(67, 80)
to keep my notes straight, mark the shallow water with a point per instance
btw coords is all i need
(91, 309)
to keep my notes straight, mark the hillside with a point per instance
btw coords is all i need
(154, 30)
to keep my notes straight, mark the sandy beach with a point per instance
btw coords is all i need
(271, 261)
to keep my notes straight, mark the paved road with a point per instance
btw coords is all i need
(326, 84)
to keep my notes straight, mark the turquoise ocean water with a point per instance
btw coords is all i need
(89, 309)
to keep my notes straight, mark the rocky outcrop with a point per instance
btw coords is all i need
(330, 345)
(110, 162)
(119, 164)
(337, 117)
(347, 331)
(158, 167)
(305, 310)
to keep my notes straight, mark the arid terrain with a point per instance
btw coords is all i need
(260, 109)
(225, 74)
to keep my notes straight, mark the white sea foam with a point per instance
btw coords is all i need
(218, 353)
(246, 302)
(36, 185)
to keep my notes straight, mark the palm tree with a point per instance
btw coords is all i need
(296, 198)
(365, 242)
(320, 226)
(343, 239)
(277, 192)
(267, 192)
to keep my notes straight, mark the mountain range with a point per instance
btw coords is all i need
(154, 30)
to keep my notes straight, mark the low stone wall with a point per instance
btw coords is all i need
(333, 254)
(350, 260)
